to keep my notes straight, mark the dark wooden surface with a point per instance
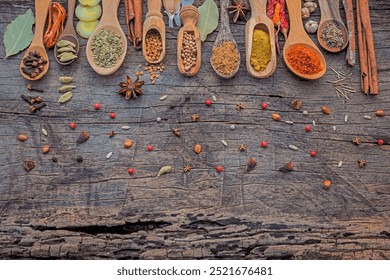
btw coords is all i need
(95, 209)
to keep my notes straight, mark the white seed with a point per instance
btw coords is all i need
(44, 131)
(314, 122)
(224, 143)
(334, 128)
(158, 119)
(109, 155)
(125, 127)
(367, 117)
(232, 127)
(346, 118)
(292, 147)
(163, 97)
(289, 122)
(340, 164)
(305, 113)
(214, 98)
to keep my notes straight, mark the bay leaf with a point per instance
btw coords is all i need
(18, 34)
(208, 18)
(164, 169)
(65, 97)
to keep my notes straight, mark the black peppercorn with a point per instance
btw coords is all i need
(79, 159)
(54, 159)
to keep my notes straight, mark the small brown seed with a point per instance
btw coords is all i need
(127, 143)
(45, 149)
(28, 164)
(296, 104)
(327, 184)
(380, 113)
(326, 110)
(276, 117)
(22, 137)
(197, 148)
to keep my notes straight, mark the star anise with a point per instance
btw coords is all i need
(239, 9)
(131, 89)
(186, 168)
(362, 163)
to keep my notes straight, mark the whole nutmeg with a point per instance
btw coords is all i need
(276, 117)
(311, 6)
(326, 110)
(45, 149)
(380, 113)
(127, 143)
(305, 13)
(311, 26)
(22, 137)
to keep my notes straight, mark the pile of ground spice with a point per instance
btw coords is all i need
(225, 58)
(261, 50)
(304, 60)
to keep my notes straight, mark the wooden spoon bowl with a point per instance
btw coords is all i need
(330, 13)
(298, 36)
(109, 21)
(41, 10)
(68, 34)
(260, 21)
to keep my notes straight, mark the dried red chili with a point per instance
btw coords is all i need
(276, 10)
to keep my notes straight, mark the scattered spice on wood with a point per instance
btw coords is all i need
(304, 60)
(34, 64)
(195, 117)
(356, 140)
(239, 9)
(239, 106)
(127, 143)
(44, 131)
(79, 159)
(326, 110)
(224, 143)
(261, 50)
(250, 164)
(380, 113)
(56, 19)
(367, 117)
(176, 131)
(29, 164)
(276, 117)
(131, 89)
(106, 48)
(45, 149)
(342, 88)
(153, 70)
(287, 167)
(332, 35)
(186, 168)
(164, 170)
(37, 107)
(197, 148)
(82, 137)
(54, 159)
(31, 99)
(111, 134)
(327, 184)
(362, 163)
(22, 137)
(242, 148)
(225, 58)
(32, 88)
(296, 104)
(154, 45)
(133, 14)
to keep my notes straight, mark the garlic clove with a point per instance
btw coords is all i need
(305, 13)
(311, 6)
(311, 26)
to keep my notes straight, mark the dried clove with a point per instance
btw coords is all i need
(29, 164)
(287, 167)
(31, 99)
(32, 88)
(111, 134)
(82, 137)
(250, 164)
(37, 107)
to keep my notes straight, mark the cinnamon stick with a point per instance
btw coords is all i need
(362, 51)
(366, 24)
(351, 51)
(133, 12)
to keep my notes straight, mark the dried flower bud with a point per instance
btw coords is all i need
(380, 113)
(326, 110)
(22, 137)
(276, 117)
(127, 143)
(197, 148)
(45, 149)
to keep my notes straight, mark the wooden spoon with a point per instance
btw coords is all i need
(68, 34)
(109, 21)
(260, 21)
(41, 9)
(171, 8)
(189, 16)
(330, 13)
(154, 21)
(298, 36)
(225, 35)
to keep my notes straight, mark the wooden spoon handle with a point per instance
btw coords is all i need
(154, 8)
(41, 9)
(110, 9)
(258, 7)
(69, 28)
(294, 12)
(224, 15)
(330, 9)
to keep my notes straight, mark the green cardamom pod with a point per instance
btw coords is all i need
(165, 169)
(66, 49)
(68, 57)
(66, 88)
(65, 43)
(65, 97)
(66, 80)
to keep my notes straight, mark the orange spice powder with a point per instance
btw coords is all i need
(304, 60)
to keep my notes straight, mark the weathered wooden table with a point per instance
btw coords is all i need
(95, 209)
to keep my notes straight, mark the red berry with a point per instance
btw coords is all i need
(308, 128)
(208, 102)
(112, 115)
(219, 168)
(264, 144)
(150, 148)
(131, 171)
(313, 153)
(96, 106)
(73, 125)
(380, 142)
(264, 105)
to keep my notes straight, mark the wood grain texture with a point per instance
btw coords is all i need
(96, 210)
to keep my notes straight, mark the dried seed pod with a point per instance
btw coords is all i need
(367, 117)
(44, 131)
(164, 169)
(287, 167)
(380, 113)
(28, 164)
(326, 110)
(224, 143)
(125, 127)
(250, 164)
(327, 184)
(296, 104)
(108, 155)
(45, 149)
(66, 80)
(197, 148)
(22, 137)
(292, 147)
(276, 117)
(65, 97)
(82, 137)
(127, 143)
(66, 88)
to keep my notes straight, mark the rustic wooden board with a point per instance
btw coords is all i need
(95, 210)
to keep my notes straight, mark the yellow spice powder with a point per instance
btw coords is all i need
(261, 50)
